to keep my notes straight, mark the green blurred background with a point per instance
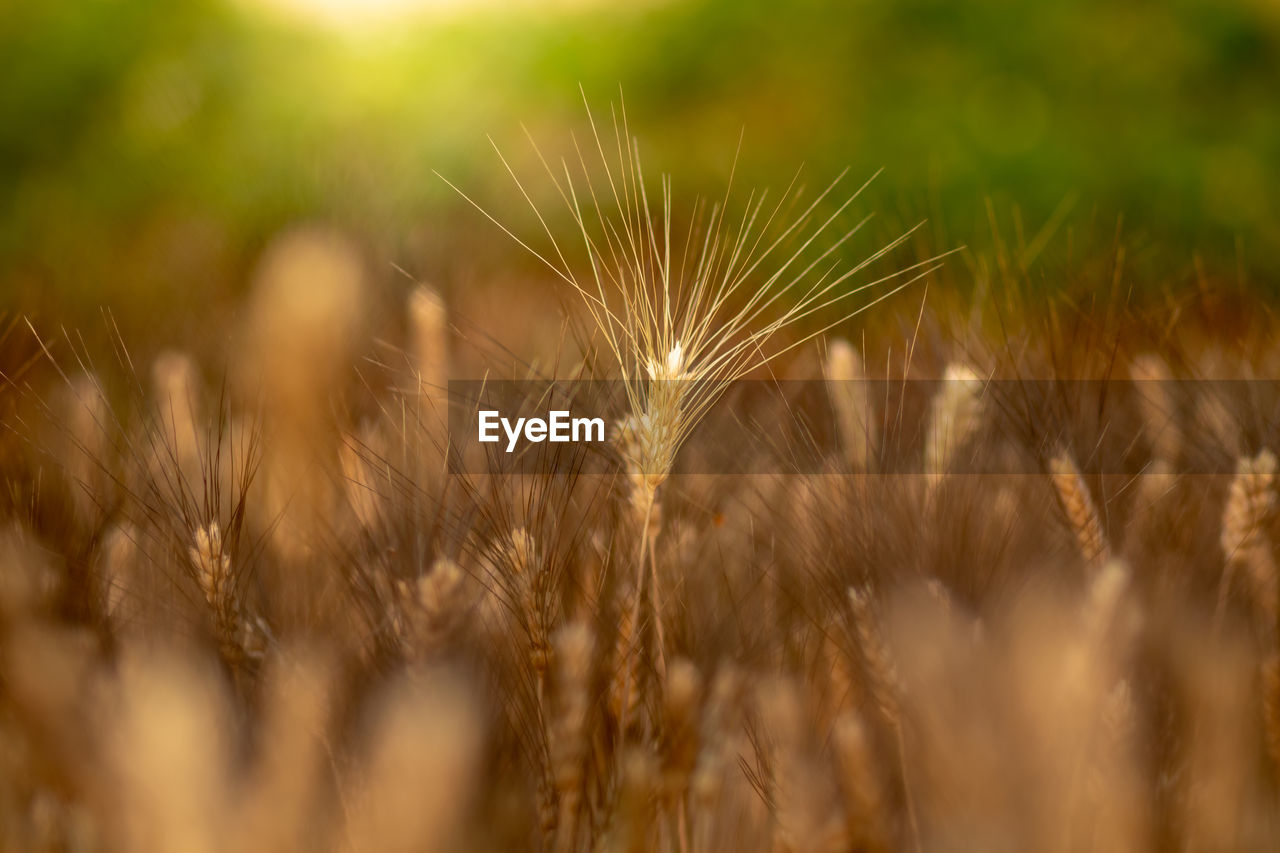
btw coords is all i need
(149, 149)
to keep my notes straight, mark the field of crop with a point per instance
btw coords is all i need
(908, 532)
(254, 604)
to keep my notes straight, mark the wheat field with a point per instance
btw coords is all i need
(1027, 598)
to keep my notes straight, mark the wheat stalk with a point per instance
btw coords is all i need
(574, 650)
(1078, 510)
(806, 805)
(626, 671)
(429, 333)
(719, 719)
(682, 322)
(174, 375)
(1151, 380)
(213, 573)
(1251, 501)
(1270, 687)
(520, 555)
(681, 703)
(863, 796)
(886, 687)
(855, 419)
(434, 605)
(954, 418)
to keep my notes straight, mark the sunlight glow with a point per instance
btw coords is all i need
(342, 13)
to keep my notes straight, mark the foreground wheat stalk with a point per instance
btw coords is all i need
(1250, 504)
(1079, 511)
(685, 315)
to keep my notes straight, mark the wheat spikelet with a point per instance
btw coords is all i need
(834, 676)
(954, 418)
(429, 331)
(86, 454)
(521, 558)
(548, 807)
(638, 443)
(213, 574)
(1225, 742)
(855, 417)
(1270, 687)
(305, 312)
(1251, 502)
(806, 804)
(1213, 414)
(1105, 597)
(681, 704)
(306, 300)
(719, 718)
(420, 766)
(167, 744)
(239, 638)
(862, 789)
(276, 804)
(1113, 788)
(434, 605)
(643, 509)
(1154, 484)
(118, 576)
(574, 650)
(648, 437)
(175, 378)
(1078, 510)
(681, 332)
(626, 670)
(360, 477)
(595, 560)
(429, 323)
(1118, 717)
(1156, 405)
(886, 688)
(632, 824)
(882, 675)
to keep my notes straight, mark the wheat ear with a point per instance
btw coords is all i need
(886, 688)
(213, 573)
(434, 606)
(574, 650)
(1250, 503)
(1270, 686)
(429, 322)
(863, 795)
(955, 417)
(807, 809)
(1156, 405)
(521, 557)
(1078, 510)
(681, 700)
(626, 670)
(855, 420)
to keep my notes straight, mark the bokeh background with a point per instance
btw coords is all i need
(150, 150)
